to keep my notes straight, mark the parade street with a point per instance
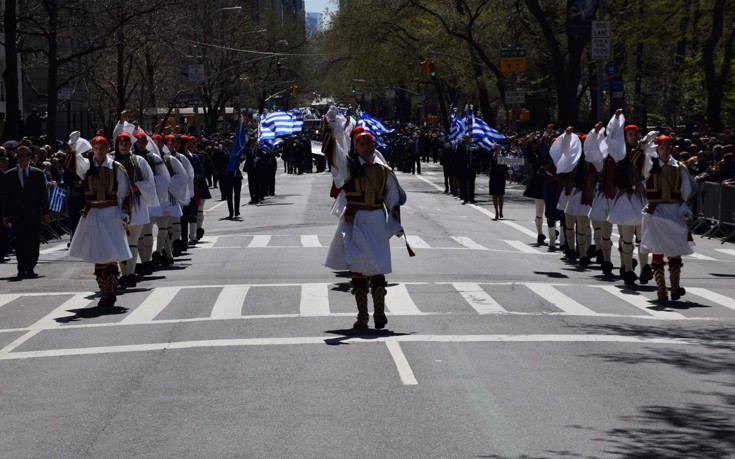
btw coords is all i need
(494, 347)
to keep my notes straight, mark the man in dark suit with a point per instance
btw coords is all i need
(26, 207)
(254, 168)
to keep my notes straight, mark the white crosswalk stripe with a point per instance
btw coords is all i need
(259, 241)
(560, 300)
(229, 302)
(469, 243)
(641, 302)
(152, 306)
(478, 298)
(233, 302)
(314, 300)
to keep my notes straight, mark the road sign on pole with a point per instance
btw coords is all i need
(515, 97)
(513, 61)
(600, 40)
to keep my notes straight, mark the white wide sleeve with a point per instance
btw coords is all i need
(147, 185)
(123, 186)
(616, 137)
(595, 149)
(179, 187)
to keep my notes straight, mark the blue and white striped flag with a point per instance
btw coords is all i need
(297, 120)
(376, 126)
(457, 130)
(484, 136)
(57, 198)
(279, 122)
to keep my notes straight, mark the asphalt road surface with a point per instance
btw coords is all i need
(495, 348)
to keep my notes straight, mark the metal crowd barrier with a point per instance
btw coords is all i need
(715, 207)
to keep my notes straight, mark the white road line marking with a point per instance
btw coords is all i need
(429, 182)
(399, 302)
(54, 249)
(229, 302)
(417, 243)
(478, 298)
(208, 242)
(156, 302)
(642, 303)
(399, 358)
(259, 241)
(310, 240)
(520, 228)
(469, 243)
(215, 206)
(77, 301)
(699, 256)
(722, 300)
(7, 298)
(314, 300)
(727, 251)
(522, 247)
(356, 340)
(560, 300)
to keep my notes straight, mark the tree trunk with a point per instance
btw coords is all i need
(12, 102)
(485, 108)
(716, 83)
(53, 72)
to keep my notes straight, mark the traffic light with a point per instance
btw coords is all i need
(278, 67)
(425, 67)
(354, 90)
(432, 69)
(294, 90)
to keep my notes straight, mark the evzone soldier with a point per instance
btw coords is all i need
(551, 195)
(196, 229)
(361, 241)
(101, 236)
(146, 149)
(143, 195)
(171, 199)
(172, 148)
(669, 188)
(627, 210)
(596, 152)
(580, 181)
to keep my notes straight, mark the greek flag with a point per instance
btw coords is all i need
(280, 123)
(297, 120)
(457, 129)
(484, 136)
(376, 126)
(56, 200)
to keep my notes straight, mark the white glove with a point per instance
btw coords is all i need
(125, 218)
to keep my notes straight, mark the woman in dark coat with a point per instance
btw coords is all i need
(498, 175)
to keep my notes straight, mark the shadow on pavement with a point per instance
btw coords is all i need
(364, 333)
(678, 430)
(91, 313)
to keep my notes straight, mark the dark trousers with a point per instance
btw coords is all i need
(4, 242)
(27, 244)
(255, 187)
(232, 187)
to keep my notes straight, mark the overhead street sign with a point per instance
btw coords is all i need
(509, 65)
(513, 61)
(520, 52)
